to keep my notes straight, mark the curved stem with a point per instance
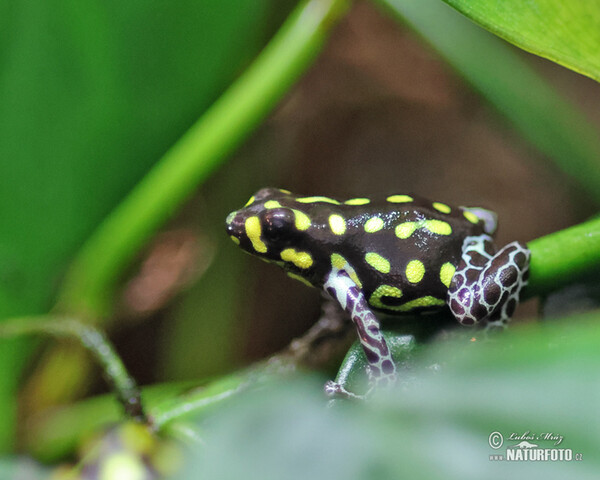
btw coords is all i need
(95, 342)
(87, 289)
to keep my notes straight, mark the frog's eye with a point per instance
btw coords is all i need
(277, 224)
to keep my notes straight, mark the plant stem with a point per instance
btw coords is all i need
(559, 258)
(95, 342)
(88, 288)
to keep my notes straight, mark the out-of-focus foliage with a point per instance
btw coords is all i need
(437, 424)
(565, 32)
(503, 78)
(91, 95)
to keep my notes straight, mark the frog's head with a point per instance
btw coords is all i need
(272, 226)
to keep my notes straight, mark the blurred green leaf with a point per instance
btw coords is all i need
(91, 94)
(550, 123)
(565, 32)
(21, 469)
(537, 379)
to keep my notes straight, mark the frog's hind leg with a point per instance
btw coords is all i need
(486, 284)
(382, 370)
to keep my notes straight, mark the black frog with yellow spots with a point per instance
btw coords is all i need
(395, 253)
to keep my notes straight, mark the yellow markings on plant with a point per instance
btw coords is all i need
(253, 232)
(385, 291)
(422, 302)
(415, 271)
(317, 199)
(357, 201)
(301, 220)
(300, 278)
(340, 263)
(441, 207)
(406, 229)
(250, 201)
(300, 259)
(272, 204)
(399, 198)
(471, 217)
(446, 273)
(235, 239)
(373, 225)
(337, 224)
(378, 262)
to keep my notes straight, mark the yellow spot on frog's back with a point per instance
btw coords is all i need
(438, 226)
(373, 225)
(385, 291)
(441, 207)
(272, 204)
(399, 198)
(406, 229)
(301, 220)
(337, 224)
(357, 201)
(253, 231)
(446, 273)
(250, 201)
(299, 278)
(235, 239)
(300, 259)
(378, 262)
(317, 199)
(471, 217)
(283, 190)
(415, 271)
(421, 302)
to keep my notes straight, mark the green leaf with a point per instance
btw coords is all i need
(91, 94)
(549, 122)
(567, 33)
(536, 379)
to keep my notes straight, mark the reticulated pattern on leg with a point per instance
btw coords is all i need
(486, 284)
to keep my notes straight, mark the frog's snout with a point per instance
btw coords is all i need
(234, 225)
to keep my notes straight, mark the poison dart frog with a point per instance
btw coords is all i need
(394, 254)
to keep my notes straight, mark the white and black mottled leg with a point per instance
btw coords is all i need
(382, 370)
(486, 284)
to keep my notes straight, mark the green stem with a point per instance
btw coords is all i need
(88, 287)
(559, 258)
(95, 342)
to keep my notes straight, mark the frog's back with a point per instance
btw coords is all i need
(401, 250)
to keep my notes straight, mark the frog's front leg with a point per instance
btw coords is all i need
(382, 370)
(486, 284)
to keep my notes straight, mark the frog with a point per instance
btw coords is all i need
(393, 254)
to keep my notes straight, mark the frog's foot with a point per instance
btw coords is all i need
(336, 390)
(486, 284)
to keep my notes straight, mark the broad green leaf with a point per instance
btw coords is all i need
(503, 78)
(531, 380)
(91, 94)
(566, 32)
